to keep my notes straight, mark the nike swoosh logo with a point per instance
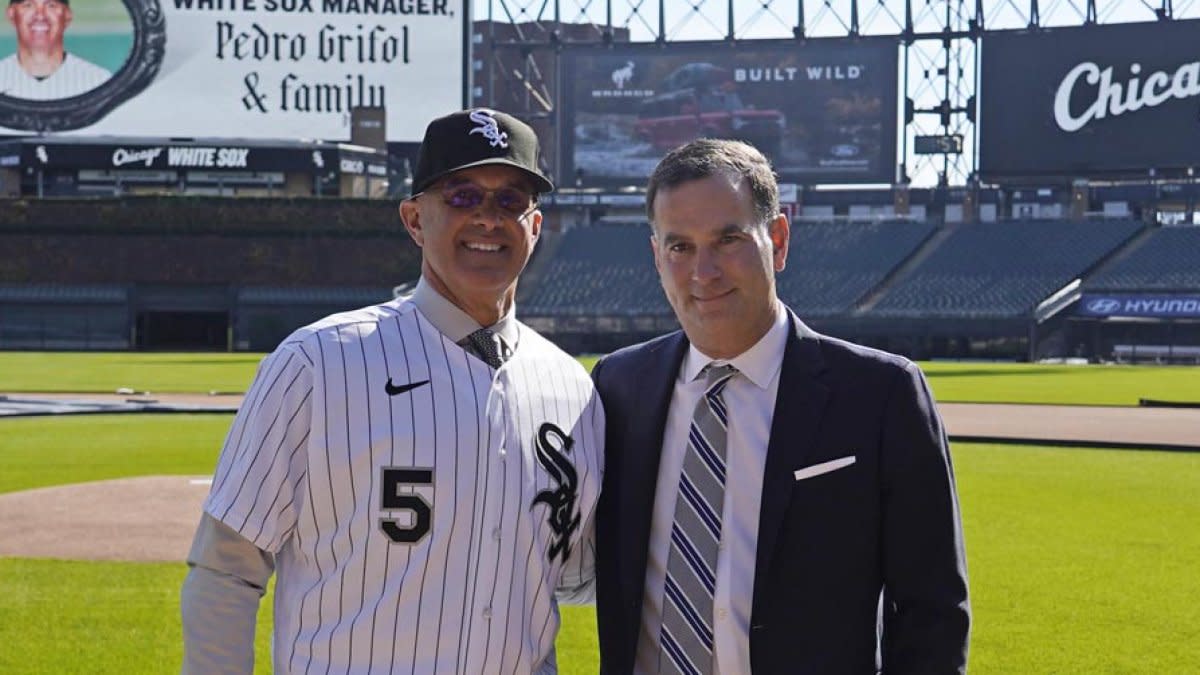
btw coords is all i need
(393, 389)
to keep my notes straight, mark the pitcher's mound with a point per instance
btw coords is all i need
(150, 518)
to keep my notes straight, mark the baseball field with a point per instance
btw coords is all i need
(1080, 560)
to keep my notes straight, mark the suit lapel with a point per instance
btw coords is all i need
(655, 387)
(799, 406)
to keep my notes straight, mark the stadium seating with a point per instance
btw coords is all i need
(609, 269)
(1000, 270)
(831, 267)
(333, 296)
(1168, 260)
(603, 270)
(51, 316)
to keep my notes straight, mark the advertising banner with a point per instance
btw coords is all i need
(824, 111)
(1095, 100)
(1140, 306)
(229, 68)
(247, 156)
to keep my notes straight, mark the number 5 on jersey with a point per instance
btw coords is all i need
(392, 499)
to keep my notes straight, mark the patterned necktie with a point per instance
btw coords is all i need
(483, 341)
(686, 640)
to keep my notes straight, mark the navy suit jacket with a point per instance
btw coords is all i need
(864, 558)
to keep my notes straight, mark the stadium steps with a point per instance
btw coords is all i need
(1120, 253)
(904, 269)
(544, 254)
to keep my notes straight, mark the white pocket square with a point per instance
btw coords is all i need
(824, 467)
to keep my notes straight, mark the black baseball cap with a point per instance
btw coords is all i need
(477, 137)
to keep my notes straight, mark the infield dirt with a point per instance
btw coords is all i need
(142, 519)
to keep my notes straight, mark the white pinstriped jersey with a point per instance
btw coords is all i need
(75, 76)
(422, 507)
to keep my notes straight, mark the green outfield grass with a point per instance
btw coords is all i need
(43, 451)
(116, 617)
(1080, 560)
(124, 618)
(105, 372)
(1077, 385)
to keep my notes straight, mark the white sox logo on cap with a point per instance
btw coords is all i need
(488, 127)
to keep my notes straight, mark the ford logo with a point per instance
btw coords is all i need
(844, 150)
(1103, 306)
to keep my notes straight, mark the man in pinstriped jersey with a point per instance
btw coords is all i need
(419, 475)
(41, 68)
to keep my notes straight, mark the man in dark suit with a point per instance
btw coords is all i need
(775, 500)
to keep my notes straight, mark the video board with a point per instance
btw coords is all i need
(1105, 100)
(823, 110)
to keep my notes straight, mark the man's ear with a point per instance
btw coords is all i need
(654, 250)
(410, 215)
(535, 224)
(779, 231)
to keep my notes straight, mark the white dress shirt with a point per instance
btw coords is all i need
(750, 397)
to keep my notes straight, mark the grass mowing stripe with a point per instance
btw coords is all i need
(124, 618)
(960, 382)
(1077, 385)
(58, 450)
(65, 616)
(1081, 561)
(105, 372)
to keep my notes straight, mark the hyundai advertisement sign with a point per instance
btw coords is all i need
(1117, 99)
(1140, 306)
(823, 111)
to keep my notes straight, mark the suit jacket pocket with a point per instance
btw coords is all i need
(821, 468)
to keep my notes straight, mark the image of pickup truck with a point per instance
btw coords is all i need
(701, 100)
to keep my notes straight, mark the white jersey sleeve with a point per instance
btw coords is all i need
(261, 471)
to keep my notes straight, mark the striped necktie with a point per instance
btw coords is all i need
(483, 342)
(686, 640)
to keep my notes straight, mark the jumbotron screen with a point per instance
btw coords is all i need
(1115, 99)
(823, 110)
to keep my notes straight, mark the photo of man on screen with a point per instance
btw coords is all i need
(41, 68)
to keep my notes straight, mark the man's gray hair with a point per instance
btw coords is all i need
(707, 157)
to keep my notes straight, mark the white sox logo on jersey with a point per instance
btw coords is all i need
(489, 128)
(552, 446)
